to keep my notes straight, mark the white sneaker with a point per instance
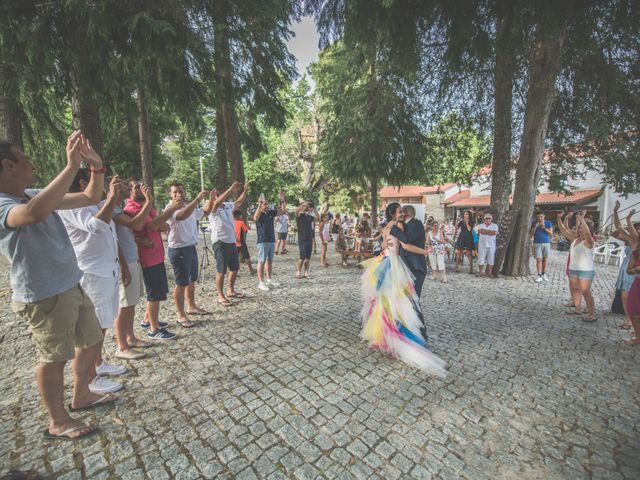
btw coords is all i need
(545, 278)
(106, 369)
(263, 287)
(272, 283)
(538, 279)
(104, 385)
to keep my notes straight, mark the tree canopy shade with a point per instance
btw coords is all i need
(371, 131)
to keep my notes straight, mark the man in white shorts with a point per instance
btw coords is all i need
(487, 233)
(93, 237)
(130, 294)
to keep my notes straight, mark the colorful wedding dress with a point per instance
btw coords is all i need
(389, 319)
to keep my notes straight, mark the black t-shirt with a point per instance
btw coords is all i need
(264, 227)
(304, 222)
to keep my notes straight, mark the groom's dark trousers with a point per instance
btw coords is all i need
(414, 235)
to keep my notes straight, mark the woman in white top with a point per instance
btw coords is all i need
(436, 239)
(581, 265)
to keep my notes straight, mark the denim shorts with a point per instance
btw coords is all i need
(583, 274)
(265, 252)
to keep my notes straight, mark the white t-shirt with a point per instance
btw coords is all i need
(282, 223)
(222, 226)
(184, 233)
(487, 241)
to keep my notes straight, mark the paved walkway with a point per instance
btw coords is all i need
(279, 386)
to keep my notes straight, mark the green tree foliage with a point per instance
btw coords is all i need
(371, 128)
(455, 152)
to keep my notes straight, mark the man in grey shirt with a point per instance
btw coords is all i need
(45, 278)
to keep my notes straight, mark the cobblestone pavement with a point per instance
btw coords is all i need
(280, 386)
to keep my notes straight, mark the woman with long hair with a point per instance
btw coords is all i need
(464, 243)
(390, 321)
(632, 304)
(625, 280)
(581, 266)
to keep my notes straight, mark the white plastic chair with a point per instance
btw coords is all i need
(617, 254)
(601, 253)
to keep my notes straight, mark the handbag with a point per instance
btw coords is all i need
(616, 306)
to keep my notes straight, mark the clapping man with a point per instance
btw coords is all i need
(223, 239)
(130, 293)
(542, 232)
(93, 237)
(487, 233)
(45, 278)
(183, 238)
(306, 216)
(151, 254)
(264, 218)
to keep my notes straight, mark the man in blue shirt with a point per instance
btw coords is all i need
(542, 232)
(264, 218)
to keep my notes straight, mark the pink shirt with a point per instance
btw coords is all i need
(149, 256)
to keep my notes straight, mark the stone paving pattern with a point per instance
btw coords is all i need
(280, 386)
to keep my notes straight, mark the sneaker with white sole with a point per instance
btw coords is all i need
(539, 279)
(104, 385)
(107, 369)
(545, 278)
(272, 283)
(161, 334)
(263, 287)
(160, 324)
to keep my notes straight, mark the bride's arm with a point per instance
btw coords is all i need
(413, 249)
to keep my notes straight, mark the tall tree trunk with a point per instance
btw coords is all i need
(503, 78)
(221, 151)
(10, 122)
(374, 200)
(544, 67)
(503, 97)
(223, 67)
(86, 114)
(144, 135)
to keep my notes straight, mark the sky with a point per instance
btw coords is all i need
(304, 45)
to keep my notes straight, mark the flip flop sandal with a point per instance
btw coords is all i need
(225, 303)
(65, 435)
(589, 320)
(298, 276)
(237, 295)
(105, 400)
(187, 324)
(624, 327)
(140, 344)
(573, 312)
(198, 312)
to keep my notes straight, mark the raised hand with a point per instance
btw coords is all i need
(177, 203)
(201, 196)
(213, 194)
(114, 187)
(89, 155)
(631, 213)
(146, 191)
(74, 142)
(616, 207)
(281, 196)
(561, 214)
(236, 186)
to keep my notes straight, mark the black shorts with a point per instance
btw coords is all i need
(282, 236)
(243, 252)
(226, 255)
(305, 247)
(184, 261)
(155, 282)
